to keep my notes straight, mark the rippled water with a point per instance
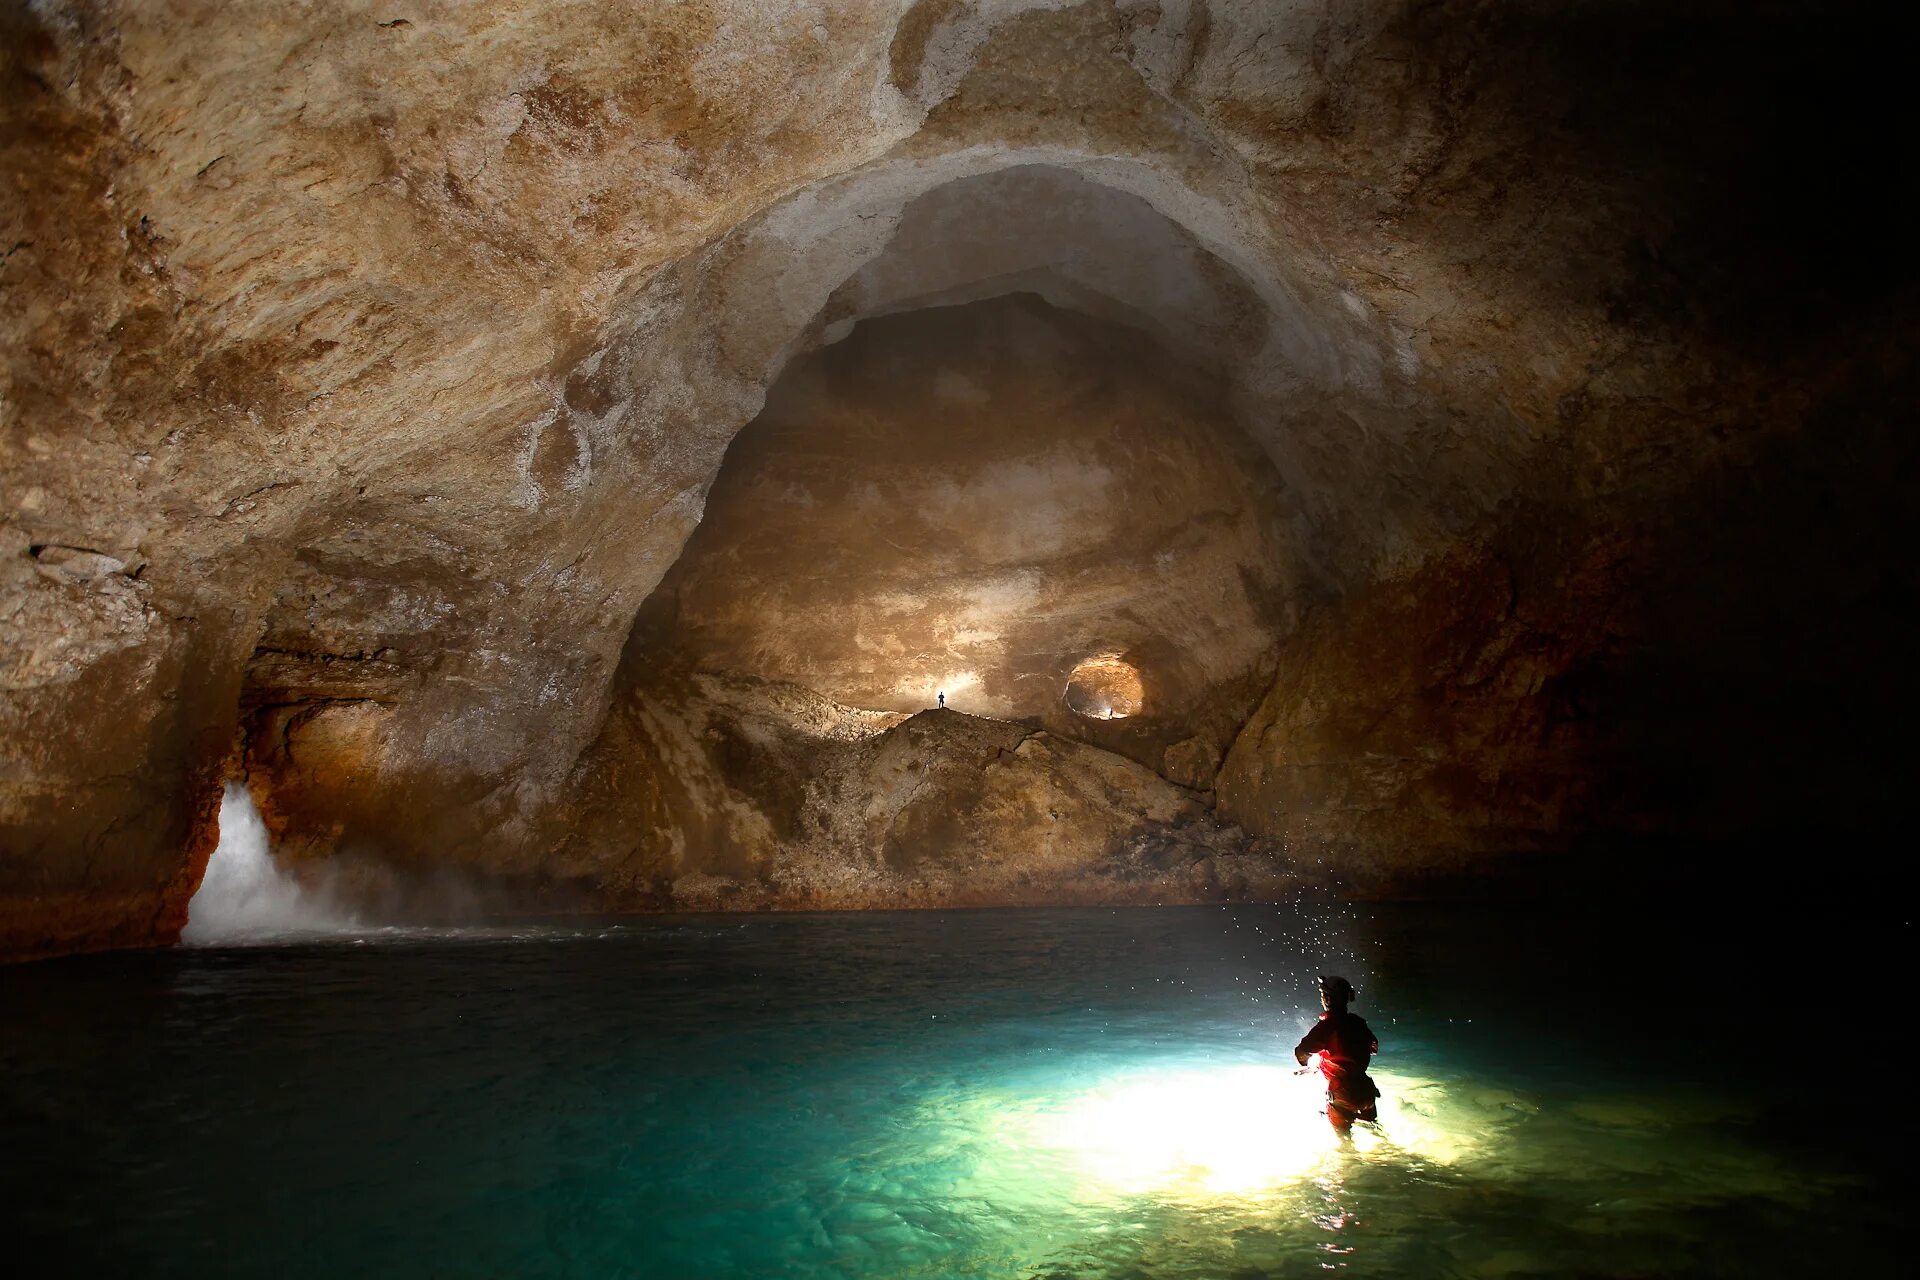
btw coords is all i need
(1007, 1093)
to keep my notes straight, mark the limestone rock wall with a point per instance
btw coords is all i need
(711, 792)
(291, 297)
(1698, 686)
(365, 371)
(971, 500)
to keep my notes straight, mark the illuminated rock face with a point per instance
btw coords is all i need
(1105, 687)
(709, 792)
(972, 501)
(365, 376)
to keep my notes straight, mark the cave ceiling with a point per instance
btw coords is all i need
(370, 377)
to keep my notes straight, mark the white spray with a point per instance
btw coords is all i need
(245, 897)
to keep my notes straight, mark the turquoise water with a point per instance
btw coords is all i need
(1006, 1093)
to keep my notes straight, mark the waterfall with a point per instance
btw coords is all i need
(244, 896)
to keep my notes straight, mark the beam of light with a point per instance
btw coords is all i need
(957, 685)
(1105, 687)
(1199, 1131)
(1206, 1134)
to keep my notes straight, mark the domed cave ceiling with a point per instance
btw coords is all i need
(971, 501)
(571, 450)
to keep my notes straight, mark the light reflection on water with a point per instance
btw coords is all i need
(1048, 1093)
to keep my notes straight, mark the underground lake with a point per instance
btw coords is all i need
(1027, 1092)
(804, 639)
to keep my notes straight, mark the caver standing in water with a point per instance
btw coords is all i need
(1345, 1044)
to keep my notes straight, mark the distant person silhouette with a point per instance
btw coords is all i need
(1345, 1044)
(943, 697)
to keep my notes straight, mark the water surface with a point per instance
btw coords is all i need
(1003, 1093)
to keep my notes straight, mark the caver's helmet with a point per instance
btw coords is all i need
(1338, 991)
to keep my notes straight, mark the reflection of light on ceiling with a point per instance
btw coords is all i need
(1106, 687)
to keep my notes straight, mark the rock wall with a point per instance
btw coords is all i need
(1699, 686)
(971, 500)
(365, 372)
(711, 792)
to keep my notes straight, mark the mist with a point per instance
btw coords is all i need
(245, 897)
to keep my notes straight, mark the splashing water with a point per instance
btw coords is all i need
(244, 896)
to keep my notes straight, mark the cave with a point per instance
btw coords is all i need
(1105, 687)
(894, 539)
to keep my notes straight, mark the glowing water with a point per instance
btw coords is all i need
(987, 1094)
(244, 897)
(1215, 1133)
